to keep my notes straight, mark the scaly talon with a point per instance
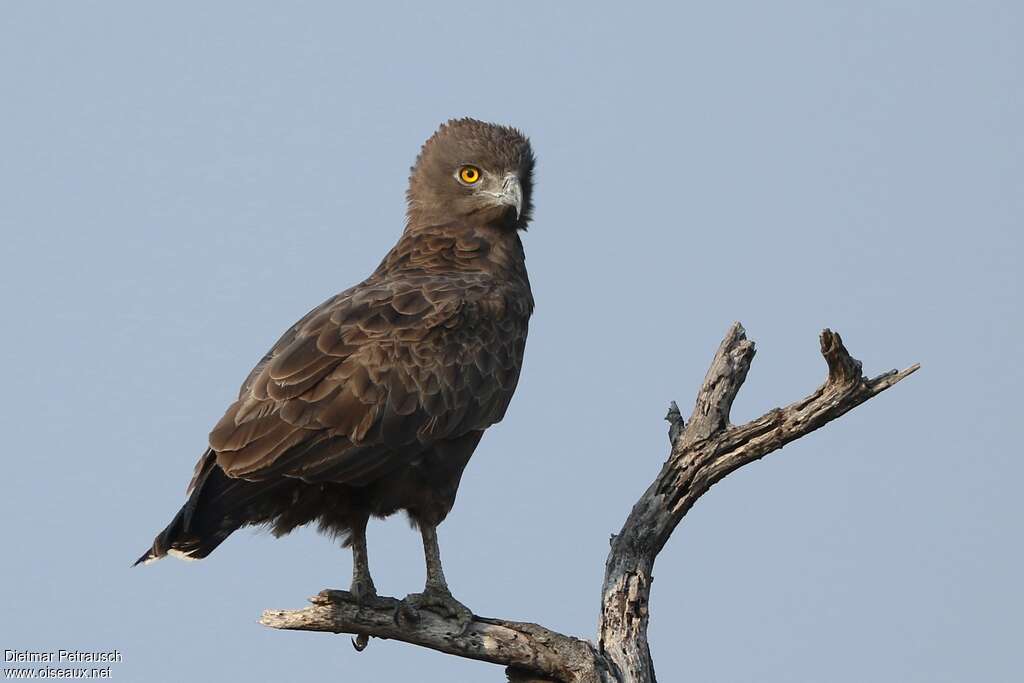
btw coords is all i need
(363, 591)
(436, 600)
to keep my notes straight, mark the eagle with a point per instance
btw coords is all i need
(375, 400)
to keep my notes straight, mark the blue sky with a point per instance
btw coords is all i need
(178, 184)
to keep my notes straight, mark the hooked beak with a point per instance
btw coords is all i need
(511, 194)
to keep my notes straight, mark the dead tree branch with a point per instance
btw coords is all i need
(704, 450)
(522, 646)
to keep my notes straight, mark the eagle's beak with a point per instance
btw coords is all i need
(511, 193)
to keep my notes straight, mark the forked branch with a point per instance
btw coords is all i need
(704, 449)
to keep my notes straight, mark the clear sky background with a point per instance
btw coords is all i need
(179, 183)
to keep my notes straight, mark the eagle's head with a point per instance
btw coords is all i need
(472, 171)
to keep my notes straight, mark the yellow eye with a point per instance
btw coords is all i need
(469, 174)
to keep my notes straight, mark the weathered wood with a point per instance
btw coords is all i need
(523, 646)
(704, 450)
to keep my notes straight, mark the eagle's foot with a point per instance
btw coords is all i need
(364, 594)
(363, 591)
(436, 600)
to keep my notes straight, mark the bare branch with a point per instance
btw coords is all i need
(525, 647)
(704, 449)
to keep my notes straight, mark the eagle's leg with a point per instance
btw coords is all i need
(436, 596)
(432, 553)
(362, 584)
(362, 588)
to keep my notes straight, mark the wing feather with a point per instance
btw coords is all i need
(370, 378)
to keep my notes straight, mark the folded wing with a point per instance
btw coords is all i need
(370, 378)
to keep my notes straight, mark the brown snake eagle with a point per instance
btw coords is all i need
(376, 399)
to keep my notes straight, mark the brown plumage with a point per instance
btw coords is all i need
(374, 401)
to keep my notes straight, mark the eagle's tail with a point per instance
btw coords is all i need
(216, 507)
